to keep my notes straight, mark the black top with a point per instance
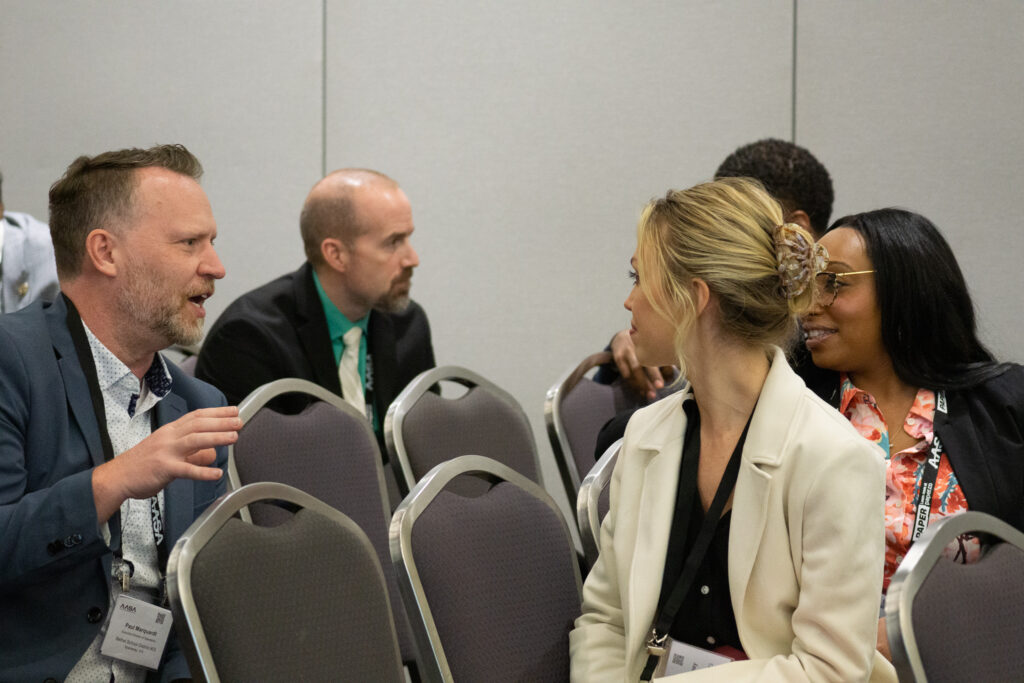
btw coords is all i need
(706, 618)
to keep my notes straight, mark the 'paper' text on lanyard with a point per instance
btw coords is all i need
(926, 487)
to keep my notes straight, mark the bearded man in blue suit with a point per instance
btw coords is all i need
(107, 452)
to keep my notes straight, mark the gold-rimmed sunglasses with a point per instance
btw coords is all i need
(827, 285)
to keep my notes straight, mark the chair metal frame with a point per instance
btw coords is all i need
(179, 565)
(262, 395)
(405, 402)
(435, 668)
(567, 467)
(588, 514)
(914, 570)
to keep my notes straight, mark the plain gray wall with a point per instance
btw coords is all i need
(528, 136)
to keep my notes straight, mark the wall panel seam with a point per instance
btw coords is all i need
(792, 85)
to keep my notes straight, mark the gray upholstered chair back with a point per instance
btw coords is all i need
(593, 501)
(423, 429)
(302, 600)
(575, 409)
(494, 578)
(329, 451)
(959, 622)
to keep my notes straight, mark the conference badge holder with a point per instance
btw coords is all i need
(675, 657)
(136, 629)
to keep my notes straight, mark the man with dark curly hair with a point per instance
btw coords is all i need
(791, 174)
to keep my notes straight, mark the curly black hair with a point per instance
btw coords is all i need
(789, 172)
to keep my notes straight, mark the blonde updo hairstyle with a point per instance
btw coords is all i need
(727, 233)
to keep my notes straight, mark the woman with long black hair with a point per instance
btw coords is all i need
(893, 328)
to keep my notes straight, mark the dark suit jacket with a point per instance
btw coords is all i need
(54, 564)
(279, 330)
(983, 434)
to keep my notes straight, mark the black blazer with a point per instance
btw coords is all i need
(279, 330)
(983, 434)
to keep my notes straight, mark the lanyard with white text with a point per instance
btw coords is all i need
(88, 365)
(924, 499)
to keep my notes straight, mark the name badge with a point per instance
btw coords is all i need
(137, 632)
(682, 657)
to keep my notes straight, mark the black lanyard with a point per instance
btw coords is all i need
(688, 482)
(925, 498)
(88, 364)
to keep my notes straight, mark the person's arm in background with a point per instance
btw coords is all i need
(645, 381)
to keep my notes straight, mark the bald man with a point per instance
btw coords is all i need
(352, 294)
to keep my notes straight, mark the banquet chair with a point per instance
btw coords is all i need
(576, 408)
(423, 428)
(302, 600)
(491, 582)
(947, 621)
(593, 501)
(329, 451)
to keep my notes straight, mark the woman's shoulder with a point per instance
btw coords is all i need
(806, 418)
(655, 424)
(1003, 389)
(660, 411)
(824, 433)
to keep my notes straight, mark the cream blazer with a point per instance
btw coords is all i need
(806, 545)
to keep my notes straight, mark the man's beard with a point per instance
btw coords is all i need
(397, 298)
(152, 308)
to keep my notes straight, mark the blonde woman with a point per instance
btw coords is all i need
(746, 522)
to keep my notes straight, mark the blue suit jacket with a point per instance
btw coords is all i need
(54, 564)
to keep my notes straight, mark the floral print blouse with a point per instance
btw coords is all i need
(903, 474)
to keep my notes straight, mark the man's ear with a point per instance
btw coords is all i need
(801, 218)
(335, 254)
(100, 247)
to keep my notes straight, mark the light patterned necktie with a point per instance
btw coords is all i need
(348, 371)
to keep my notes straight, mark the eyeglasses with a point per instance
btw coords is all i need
(827, 285)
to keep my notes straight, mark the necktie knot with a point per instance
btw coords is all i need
(351, 339)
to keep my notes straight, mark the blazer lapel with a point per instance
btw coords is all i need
(762, 453)
(76, 388)
(312, 332)
(178, 495)
(958, 433)
(753, 485)
(663, 447)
